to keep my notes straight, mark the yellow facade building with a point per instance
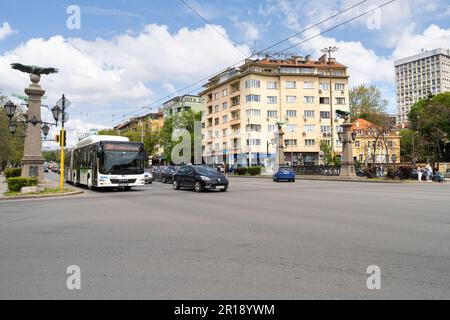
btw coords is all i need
(363, 148)
(242, 106)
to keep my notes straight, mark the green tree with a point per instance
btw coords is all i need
(11, 150)
(365, 102)
(327, 152)
(182, 120)
(430, 119)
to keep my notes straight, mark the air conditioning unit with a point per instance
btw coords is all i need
(320, 91)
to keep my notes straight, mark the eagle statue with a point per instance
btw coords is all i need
(33, 69)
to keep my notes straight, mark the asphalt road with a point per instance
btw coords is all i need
(260, 240)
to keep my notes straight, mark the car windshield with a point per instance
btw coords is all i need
(286, 169)
(205, 170)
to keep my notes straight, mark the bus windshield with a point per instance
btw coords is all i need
(122, 161)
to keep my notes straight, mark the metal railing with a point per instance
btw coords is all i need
(318, 170)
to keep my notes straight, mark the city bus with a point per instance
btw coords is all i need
(106, 162)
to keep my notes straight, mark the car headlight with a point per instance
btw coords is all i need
(205, 178)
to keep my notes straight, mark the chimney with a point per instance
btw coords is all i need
(308, 58)
(323, 59)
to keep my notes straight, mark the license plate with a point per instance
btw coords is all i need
(220, 187)
(123, 184)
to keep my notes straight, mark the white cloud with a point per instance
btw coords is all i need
(250, 30)
(123, 71)
(6, 31)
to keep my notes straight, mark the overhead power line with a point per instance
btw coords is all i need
(154, 104)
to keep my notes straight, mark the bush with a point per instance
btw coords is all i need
(13, 173)
(16, 184)
(254, 171)
(241, 171)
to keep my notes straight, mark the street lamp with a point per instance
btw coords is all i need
(10, 109)
(56, 111)
(45, 129)
(12, 128)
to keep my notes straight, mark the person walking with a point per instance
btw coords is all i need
(429, 172)
(419, 173)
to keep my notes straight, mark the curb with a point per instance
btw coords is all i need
(4, 198)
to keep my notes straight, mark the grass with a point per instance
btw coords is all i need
(46, 192)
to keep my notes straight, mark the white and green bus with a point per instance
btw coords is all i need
(106, 162)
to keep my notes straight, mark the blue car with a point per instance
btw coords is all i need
(284, 174)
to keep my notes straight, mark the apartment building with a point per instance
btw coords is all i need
(242, 106)
(183, 103)
(418, 76)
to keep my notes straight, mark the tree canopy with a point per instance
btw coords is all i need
(366, 102)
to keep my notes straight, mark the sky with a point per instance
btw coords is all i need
(126, 57)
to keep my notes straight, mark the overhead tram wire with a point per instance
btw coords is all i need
(212, 26)
(155, 103)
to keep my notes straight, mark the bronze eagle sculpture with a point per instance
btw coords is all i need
(33, 69)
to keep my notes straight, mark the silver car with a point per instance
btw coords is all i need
(148, 177)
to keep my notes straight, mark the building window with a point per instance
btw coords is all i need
(291, 99)
(357, 144)
(291, 128)
(224, 119)
(253, 128)
(291, 113)
(253, 142)
(216, 121)
(216, 108)
(272, 128)
(308, 99)
(271, 85)
(340, 101)
(325, 86)
(216, 96)
(310, 128)
(339, 86)
(324, 100)
(291, 142)
(309, 114)
(225, 105)
(272, 99)
(308, 85)
(325, 114)
(253, 113)
(291, 84)
(325, 129)
(310, 143)
(253, 98)
(225, 93)
(272, 114)
(253, 84)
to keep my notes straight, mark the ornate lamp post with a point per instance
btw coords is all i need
(347, 137)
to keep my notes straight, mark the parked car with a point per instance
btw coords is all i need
(168, 174)
(157, 173)
(284, 174)
(200, 178)
(45, 168)
(148, 177)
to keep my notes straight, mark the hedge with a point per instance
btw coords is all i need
(13, 173)
(16, 184)
(254, 171)
(241, 171)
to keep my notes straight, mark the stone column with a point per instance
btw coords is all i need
(347, 163)
(280, 146)
(32, 155)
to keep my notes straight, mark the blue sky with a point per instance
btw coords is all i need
(131, 53)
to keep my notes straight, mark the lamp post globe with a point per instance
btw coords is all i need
(354, 136)
(45, 130)
(12, 128)
(56, 112)
(10, 109)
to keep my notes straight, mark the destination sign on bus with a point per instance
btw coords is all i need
(122, 147)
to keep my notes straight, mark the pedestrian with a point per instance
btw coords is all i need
(419, 173)
(429, 172)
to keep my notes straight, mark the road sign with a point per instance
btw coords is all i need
(67, 103)
(66, 117)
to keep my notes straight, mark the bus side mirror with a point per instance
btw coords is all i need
(99, 152)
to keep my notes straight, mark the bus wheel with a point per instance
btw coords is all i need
(89, 184)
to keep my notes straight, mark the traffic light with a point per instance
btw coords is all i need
(62, 143)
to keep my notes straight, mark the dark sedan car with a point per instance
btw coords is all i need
(157, 173)
(167, 174)
(200, 178)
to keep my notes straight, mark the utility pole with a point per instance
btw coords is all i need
(328, 51)
(63, 140)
